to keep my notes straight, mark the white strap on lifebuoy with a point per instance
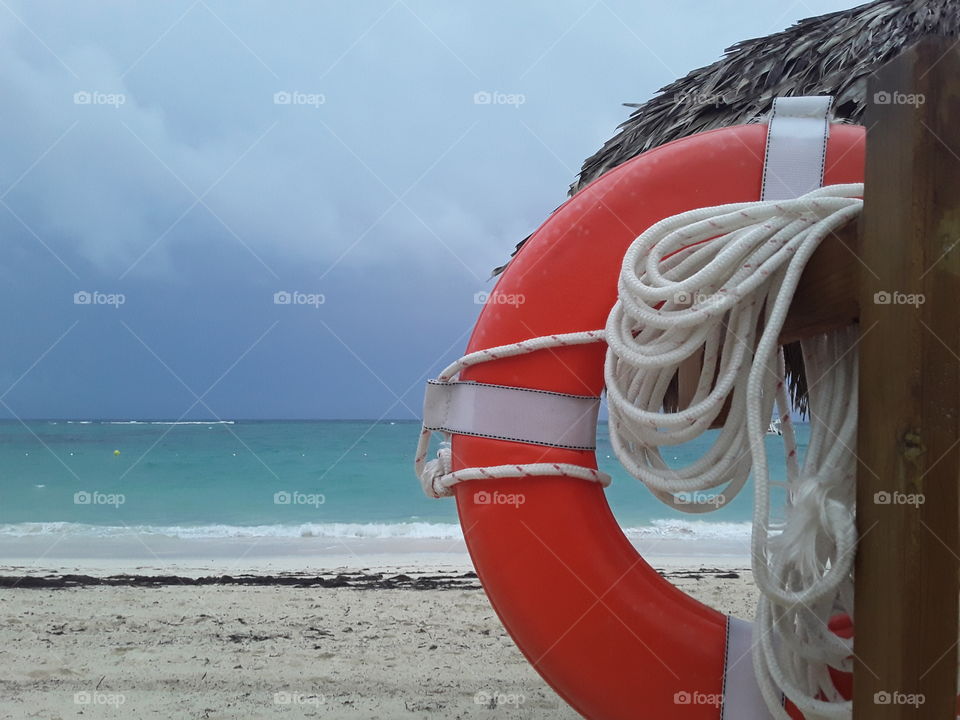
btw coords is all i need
(742, 698)
(796, 146)
(516, 414)
(575, 421)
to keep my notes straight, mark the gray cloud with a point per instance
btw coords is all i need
(146, 153)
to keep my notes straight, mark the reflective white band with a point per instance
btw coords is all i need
(796, 146)
(537, 417)
(742, 699)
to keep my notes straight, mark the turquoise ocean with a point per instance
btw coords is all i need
(275, 479)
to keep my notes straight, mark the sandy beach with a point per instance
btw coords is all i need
(388, 641)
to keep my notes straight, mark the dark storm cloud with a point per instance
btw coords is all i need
(195, 158)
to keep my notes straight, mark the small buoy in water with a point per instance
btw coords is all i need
(116, 452)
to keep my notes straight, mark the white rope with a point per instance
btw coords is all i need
(713, 285)
(805, 573)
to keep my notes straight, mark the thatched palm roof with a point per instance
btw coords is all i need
(825, 55)
(830, 54)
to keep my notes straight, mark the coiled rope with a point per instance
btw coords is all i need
(717, 283)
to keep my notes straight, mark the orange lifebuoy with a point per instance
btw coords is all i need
(611, 636)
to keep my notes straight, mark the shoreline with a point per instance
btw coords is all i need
(163, 555)
(393, 578)
(358, 580)
(288, 568)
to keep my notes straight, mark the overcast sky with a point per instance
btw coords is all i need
(169, 167)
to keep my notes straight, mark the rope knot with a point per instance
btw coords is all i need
(431, 478)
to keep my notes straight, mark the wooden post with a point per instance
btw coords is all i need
(826, 297)
(907, 578)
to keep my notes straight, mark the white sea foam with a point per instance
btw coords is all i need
(152, 422)
(692, 530)
(665, 529)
